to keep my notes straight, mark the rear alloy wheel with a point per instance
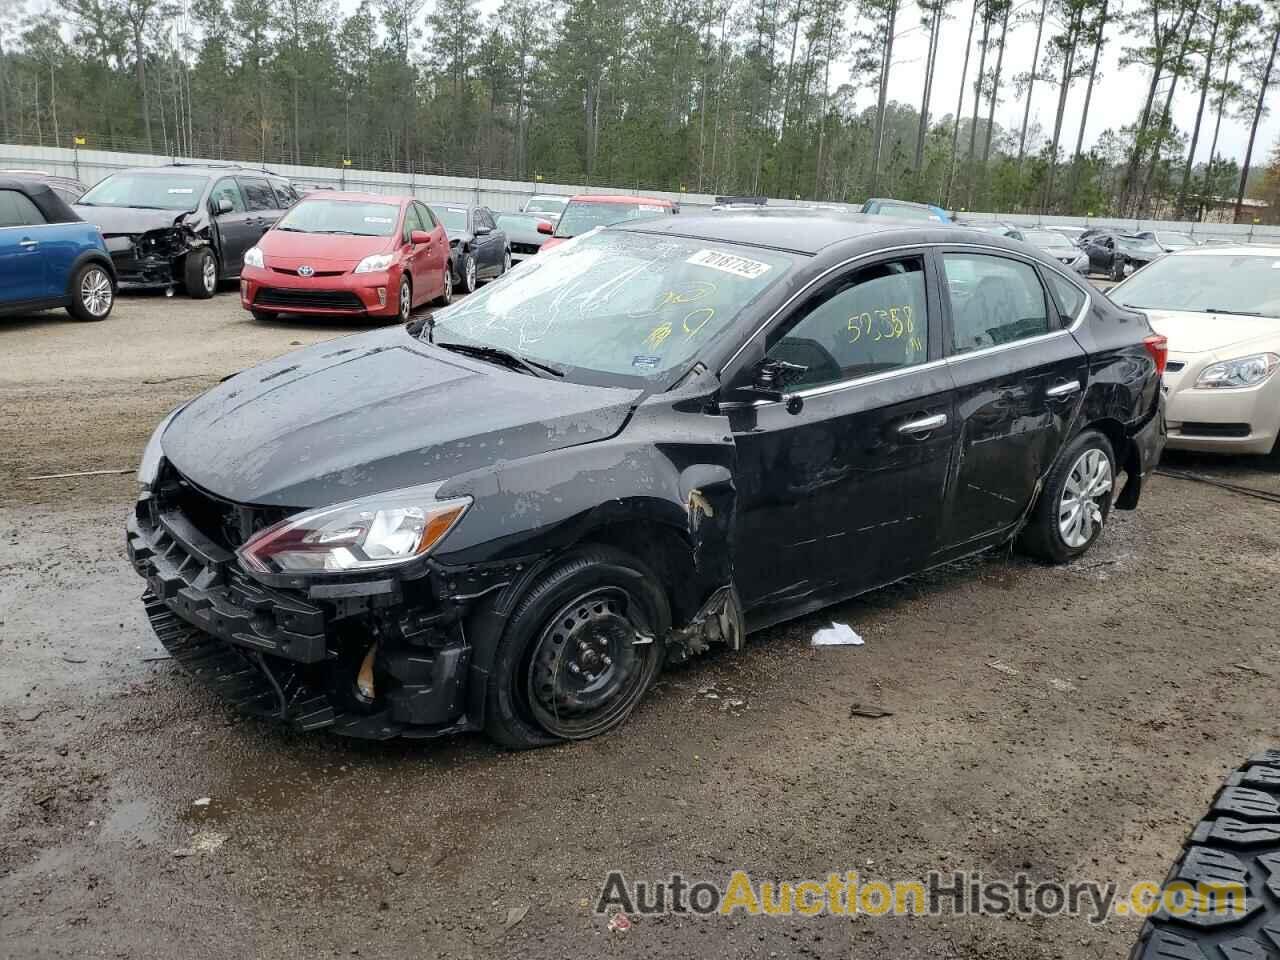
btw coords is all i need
(506, 262)
(579, 652)
(92, 293)
(1075, 501)
(446, 293)
(406, 300)
(200, 274)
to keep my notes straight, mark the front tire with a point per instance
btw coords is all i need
(467, 273)
(579, 651)
(406, 299)
(92, 293)
(200, 274)
(1075, 502)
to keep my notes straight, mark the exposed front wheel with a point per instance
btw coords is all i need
(1075, 501)
(92, 293)
(579, 652)
(200, 274)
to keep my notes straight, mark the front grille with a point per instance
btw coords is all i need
(227, 524)
(525, 249)
(288, 272)
(319, 299)
(1193, 429)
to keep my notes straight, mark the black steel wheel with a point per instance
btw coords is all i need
(579, 651)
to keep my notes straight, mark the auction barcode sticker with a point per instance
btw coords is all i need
(729, 263)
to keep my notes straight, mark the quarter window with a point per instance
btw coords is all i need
(994, 300)
(1070, 297)
(868, 322)
(17, 210)
(258, 195)
(231, 191)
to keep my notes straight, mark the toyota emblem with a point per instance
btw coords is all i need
(306, 271)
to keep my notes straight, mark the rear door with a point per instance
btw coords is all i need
(261, 203)
(842, 489)
(23, 264)
(235, 233)
(1019, 376)
(489, 244)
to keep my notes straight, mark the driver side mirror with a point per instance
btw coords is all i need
(544, 227)
(482, 231)
(419, 236)
(225, 205)
(771, 379)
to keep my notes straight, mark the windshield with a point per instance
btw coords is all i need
(1138, 245)
(453, 218)
(904, 212)
(616, 307)
(545, 204)
(583, 215)
(341, 216)
(1047, 239)
(1204, 283)
(150, 191)
(1175, 240)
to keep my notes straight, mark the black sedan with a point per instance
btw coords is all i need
(663, 436)
(478, 249)
(1117, 254)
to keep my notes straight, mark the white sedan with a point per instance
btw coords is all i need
(1219, 307)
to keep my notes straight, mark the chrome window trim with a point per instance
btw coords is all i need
(839, 385)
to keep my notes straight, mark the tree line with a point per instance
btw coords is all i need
(711, 96)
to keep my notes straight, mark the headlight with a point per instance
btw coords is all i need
(374, 264)
(1243, 372)
(367, 534)
(149, 466)
(253, 257)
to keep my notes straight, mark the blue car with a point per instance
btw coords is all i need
(905, 210)
(49, 257)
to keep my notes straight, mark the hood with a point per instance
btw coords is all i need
(120, 220)
(1191, 332)
(287, 249)
(375, 412)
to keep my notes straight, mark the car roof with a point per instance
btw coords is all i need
(618, 198)
(230, 169)
(793, 229)
(52, 206)
(358, 196)
(1230, 249)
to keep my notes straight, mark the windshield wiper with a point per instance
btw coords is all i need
(290, 230)
(348, 233)
(484, 351)
(1233, 313)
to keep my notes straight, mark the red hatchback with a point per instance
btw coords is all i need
(348, 254)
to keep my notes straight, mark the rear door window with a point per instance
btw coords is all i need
(257, 194)
(17, 210)
(994, 301)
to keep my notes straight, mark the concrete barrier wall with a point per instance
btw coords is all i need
(90, 166)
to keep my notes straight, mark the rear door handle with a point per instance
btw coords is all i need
(28, 243)
(1062, 390)
(924, 424)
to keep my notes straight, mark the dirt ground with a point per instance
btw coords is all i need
(1125, 686)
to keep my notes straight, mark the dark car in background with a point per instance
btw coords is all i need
(664, 436)
(49, 257)
(590, 210)
(1056, 245)
(478, 249)
(526, 233)
(1118, 254)
(346, 253)
(184, 225)
(68, 188)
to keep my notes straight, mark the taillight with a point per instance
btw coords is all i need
(1158, 347)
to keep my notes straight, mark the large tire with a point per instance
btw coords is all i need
(93, 293)
(597, 609)
(1088, 467)
(467, 273)
(1238, 842)
(200, 274)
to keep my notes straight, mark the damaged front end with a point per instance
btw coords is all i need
(154, 257)
(375, 656)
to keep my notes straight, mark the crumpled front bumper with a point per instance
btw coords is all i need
(283, 654)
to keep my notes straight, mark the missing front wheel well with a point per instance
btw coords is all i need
(665, 552)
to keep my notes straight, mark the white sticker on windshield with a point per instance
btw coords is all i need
(377, 219)
(730, 263)
(181, 190)
(651, 208)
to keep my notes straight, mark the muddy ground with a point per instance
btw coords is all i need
(1135, 678)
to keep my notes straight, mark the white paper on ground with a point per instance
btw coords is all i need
(837, 635)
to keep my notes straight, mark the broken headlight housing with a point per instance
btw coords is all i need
(1241, 372)
(384, 530)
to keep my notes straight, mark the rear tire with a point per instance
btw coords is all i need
(1238, 842)
(578, 652)
(1074, 503)
(446, 295)
(93, 293)
(200, 274)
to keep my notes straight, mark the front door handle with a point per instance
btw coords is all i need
(924, 424)
(1062, 390)
(28, 243)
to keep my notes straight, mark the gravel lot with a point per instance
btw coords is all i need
(1139, 676)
